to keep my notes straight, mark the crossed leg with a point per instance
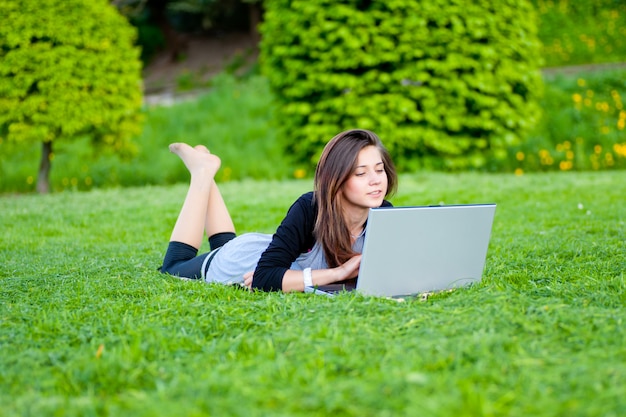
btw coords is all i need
(203, 204)
(203, 211)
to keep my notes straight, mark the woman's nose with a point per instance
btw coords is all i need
(374, 178)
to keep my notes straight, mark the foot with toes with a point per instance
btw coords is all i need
(198, 160)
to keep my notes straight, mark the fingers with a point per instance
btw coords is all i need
(351, 267)
(247, 279)
(354, 263)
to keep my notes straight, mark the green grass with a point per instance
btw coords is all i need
(89, 327)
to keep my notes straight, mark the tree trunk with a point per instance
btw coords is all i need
(254, 14)
(176, 44)
(43, 178)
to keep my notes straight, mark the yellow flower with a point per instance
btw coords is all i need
(581, 82)
(597, 149)
(299, 173)
(565, 165)
(519, 156)
(569, 155)
(519, 171)
(226, 173)
(546, 158)
(577, 98)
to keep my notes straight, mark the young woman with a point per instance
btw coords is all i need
(318, 242)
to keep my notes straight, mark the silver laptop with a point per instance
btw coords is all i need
(413, 250)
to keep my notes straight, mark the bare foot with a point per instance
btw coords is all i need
(201, 148)
(199, 160)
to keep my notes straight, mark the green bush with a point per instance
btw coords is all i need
(582, 31)
(68, 68)
(446, 84)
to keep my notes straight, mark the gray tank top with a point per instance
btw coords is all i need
(315, 258)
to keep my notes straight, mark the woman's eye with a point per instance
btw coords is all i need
(359, 174)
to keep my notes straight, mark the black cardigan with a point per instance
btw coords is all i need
(293, 237)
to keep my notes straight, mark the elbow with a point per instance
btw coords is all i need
(266, 280)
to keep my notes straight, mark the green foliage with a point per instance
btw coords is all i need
(450, 81)
(582, 31)
(68, 68)
(88, 327)
(249, 148)
(583, 126)
(233, 120)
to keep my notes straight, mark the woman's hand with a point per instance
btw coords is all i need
(247, 279)
(293, 279)
(350, 269)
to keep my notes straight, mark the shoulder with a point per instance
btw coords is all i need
(307, 198)
(303, 210)
(386, 204)
(306, 203)
(296, 229)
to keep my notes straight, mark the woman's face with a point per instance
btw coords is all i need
(367, 185)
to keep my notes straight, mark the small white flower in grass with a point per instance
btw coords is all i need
(580, 206)
(417, 378)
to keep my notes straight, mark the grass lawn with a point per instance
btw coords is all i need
(89, 327)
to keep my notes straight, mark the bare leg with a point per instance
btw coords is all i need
(202, 166)
(218, 218)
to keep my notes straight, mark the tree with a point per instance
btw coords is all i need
(68, 68)
(447, 83)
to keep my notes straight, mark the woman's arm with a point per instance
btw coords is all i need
(294, 280)
(293, 237)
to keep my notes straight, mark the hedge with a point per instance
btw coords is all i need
(446, 83)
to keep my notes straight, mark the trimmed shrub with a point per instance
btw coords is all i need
(445, 83)
(68, 68)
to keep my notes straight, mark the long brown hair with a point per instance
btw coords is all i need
(335, 166)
